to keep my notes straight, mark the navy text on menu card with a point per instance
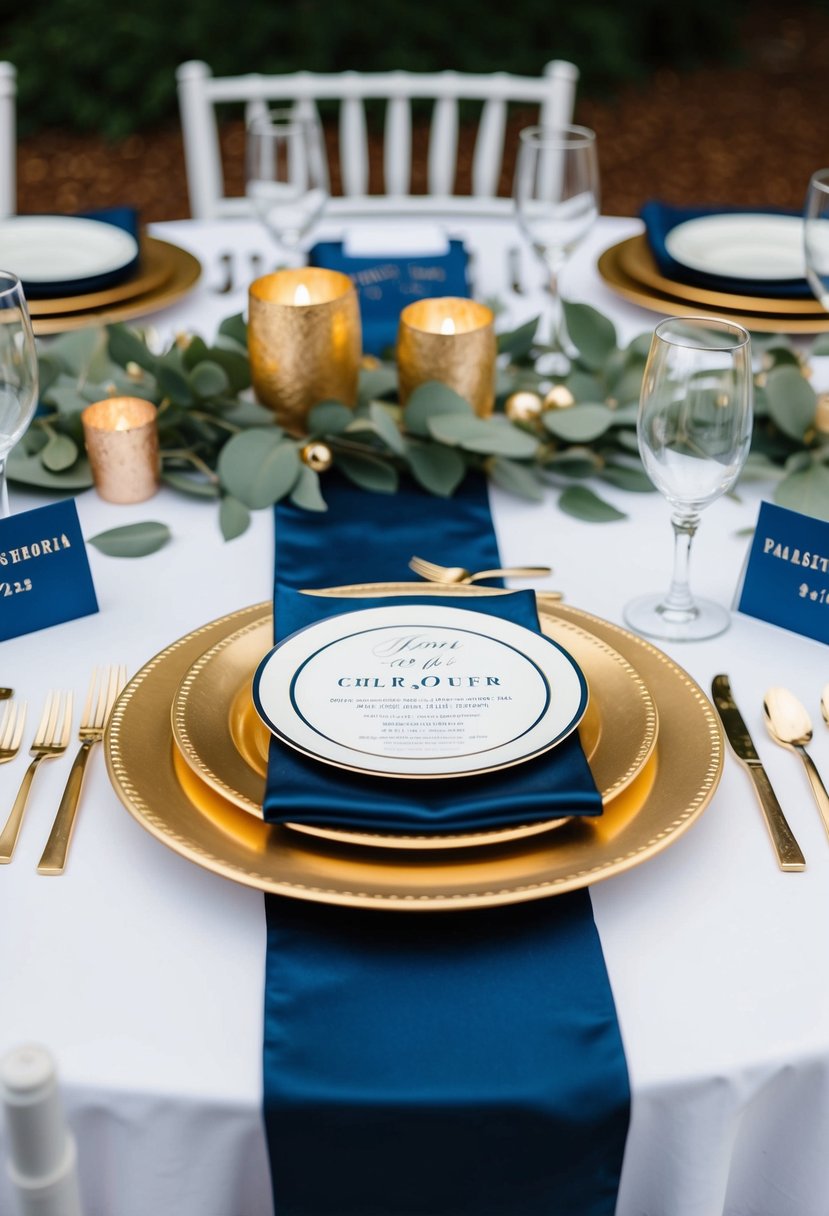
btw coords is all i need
(44, 571)
(787, 577)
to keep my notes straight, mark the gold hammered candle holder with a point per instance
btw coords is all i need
(451, 340)
(304, 341)
(121, 439)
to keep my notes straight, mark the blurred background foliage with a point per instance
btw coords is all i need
(91, 65)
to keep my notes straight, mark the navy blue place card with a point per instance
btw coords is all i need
(44, 571)
(787, 576)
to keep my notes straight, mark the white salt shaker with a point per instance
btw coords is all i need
(42, 1158)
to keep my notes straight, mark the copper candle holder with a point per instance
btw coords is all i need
(451, 340)
(122, 444)
(304, 342)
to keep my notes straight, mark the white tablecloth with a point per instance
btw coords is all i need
(144, 973)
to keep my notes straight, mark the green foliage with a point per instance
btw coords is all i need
(95, 66)
(133, 540)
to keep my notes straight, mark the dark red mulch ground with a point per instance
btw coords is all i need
(745, 135)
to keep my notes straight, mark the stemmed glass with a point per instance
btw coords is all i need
(816, 235)
(287, 175)
(556, 194)
(18, 373)
(694, 429)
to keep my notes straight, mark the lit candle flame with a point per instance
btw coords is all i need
(302, 295)
(447, 326)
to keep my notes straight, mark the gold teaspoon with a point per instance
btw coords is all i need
(789, 725)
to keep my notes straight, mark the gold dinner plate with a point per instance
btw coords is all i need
(223, 740)
(773, 320)
(182, 274)
(154, 268)
(668, 796)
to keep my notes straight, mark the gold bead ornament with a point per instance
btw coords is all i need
(523, 406)
(559, 398)
(317, 456)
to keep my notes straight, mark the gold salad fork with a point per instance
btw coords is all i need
(456, 574)
(11, 730)
(104, 688)
(51, 739)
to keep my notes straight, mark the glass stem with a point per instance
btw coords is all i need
(4, 490)
(679, 598)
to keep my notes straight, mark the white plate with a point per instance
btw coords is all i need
(56, 248)
(743, 246)
(419, 691)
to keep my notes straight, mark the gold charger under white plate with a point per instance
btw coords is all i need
(667, 797)
(155, 267)
(181, 273)
(222, 739)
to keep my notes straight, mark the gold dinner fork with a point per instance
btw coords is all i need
(456, 574)
(11, 730)
(104, 688)
(51, 739)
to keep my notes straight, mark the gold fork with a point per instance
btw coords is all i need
(456, 574)
(104, 688)
(51, 739)
(11, 729)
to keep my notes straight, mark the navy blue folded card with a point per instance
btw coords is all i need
(661, 218)
(299, 789)
(386, 285)
(44, 571)
(786, 581)
(125, 218)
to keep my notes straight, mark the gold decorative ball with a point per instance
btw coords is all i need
(523, 406)
(559, 398)
(822, 414)
(134, 371)
(370, 363)
(318, 456)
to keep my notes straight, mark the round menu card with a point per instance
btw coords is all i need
(419, 691)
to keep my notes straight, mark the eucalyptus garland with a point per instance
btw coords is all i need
(573, 432)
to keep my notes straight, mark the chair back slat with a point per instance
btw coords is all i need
(8, 140)
(353, 146)
(397, 144)
(443, 146)
(489, 147)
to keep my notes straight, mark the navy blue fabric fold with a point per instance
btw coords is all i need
(661, 218)
(433, 1064)
(386, 285)
(125, 218)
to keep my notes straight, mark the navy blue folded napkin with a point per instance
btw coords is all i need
(661, 218)
(386, 285)
(125, 218)
(304, 790)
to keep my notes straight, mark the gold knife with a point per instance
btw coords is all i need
(789, 855)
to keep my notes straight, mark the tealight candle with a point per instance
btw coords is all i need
(304, 341)
(451, 340)
(122, 444)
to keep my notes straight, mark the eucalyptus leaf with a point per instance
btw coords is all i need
(132, 540)
(429, 401)
(640, 346)
(820, 346)
(235, 328)
(195, 352)
(593, 335)
(258, 467)
(30, 471)
(251, 413)
(807, 492)
(440, 470)
(582, 503)
(125, 346)
(174, 384)
(77, 349)
(368, 472)
(196, 485)
(208, 379)
(515, 478)
(329, 418)
(234, 364)
(307, 492)
(517, 343)
(60, 453)
(636, 481)
(386, 429)
(579, 424)
(66, 399)
(584, 386)
(791, 401)
(376, 382)
(758, 467)
(575, 462)
(495, 437)
(234, 517)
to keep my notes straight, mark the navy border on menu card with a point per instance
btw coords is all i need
(44, 570)
(787, 576)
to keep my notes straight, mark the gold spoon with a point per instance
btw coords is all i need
(789, 725)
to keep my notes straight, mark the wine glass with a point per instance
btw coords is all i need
(287, 175)
(694, 429)
(816, 235)
(556, 194)
(18, 373)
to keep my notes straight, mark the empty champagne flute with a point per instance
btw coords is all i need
(694, 429)
(287, 175)
(556, 195)
(18, 373)
(816, 235)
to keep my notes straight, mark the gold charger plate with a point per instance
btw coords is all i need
(154, 268)
(668, 796)
(223, 740)
(183, 274)
(616, 277)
